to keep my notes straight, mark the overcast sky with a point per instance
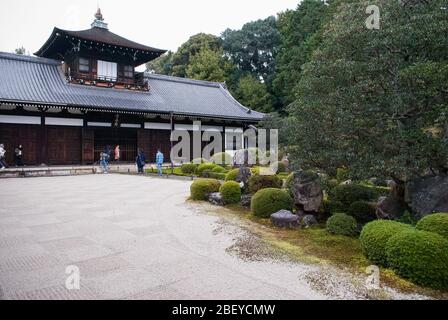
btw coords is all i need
(163, 24)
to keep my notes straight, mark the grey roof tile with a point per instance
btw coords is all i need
(39, 80)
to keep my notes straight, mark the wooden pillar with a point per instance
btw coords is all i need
(171, 141)
(43, 157)
(224, 138)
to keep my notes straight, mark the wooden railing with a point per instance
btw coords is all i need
(137, 83)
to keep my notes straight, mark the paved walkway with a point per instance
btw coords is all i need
(131, 238)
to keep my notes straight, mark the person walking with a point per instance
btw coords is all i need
(2, 156)
(117, 153)
(140, 160)
(159, 162)
(104, 159)
(18, 156)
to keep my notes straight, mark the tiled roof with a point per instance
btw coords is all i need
(28, 79)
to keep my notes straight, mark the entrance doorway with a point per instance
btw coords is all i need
(125, 138)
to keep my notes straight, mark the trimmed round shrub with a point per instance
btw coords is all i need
(231, 192)
(268, 201)
(216, 175)
(342, 224)
(219, 169)
(200, 188)
(374, 237)
(222, 158)
(419, 256)
(332, 206)
(362, 211)
(257, 183)
(437, 223)
(347, 194)
(203, 167)
(188, 168)
(231, 176)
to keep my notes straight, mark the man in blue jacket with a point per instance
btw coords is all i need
(159, 162)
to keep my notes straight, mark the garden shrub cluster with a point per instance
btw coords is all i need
(204, 167)
(231, 176)
(437, 223)
(362, 211)
(188, 168)
(419, 256)
(330, 206)
(342, 224)
(374, 237)
(231, 192)
(347, 194)
(200, 188)
(268, 201)
(218, 169)
(257, 183)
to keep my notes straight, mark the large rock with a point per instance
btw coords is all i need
(427, 195)
(389, 208)
(309, 221)
(246, 200)
(243, 177)
(285, 219)
(216, 199)
(307, 191)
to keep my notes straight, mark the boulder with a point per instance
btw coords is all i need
(246, 200)
(427, 195)
(285, 219)
(309, 221)
(243, 177)
(390, 208)
(307, 191)
(216, 199)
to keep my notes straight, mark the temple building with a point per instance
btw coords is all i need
(82, 92)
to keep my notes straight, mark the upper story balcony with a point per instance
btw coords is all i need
(138, 83)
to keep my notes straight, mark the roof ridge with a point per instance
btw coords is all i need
(19, 57)
(183, 80)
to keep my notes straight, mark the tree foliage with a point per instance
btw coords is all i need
(209, 65)
(376, 100)
(253, 48)
(299, 30)
(253, 94)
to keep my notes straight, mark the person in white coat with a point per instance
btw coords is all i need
(2, 157)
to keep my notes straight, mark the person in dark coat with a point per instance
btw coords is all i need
(140, 160)
(18, 156)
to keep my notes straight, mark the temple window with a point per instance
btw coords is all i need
(107, 70)
(128, 72)
(84, 65)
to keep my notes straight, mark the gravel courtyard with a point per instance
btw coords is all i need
(131, 238)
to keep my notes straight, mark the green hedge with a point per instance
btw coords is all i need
(231, 176)
(342, 224)
(437, 223)
(202, 187)
(203, 167)
(219, 169)
(188, 168)
(362, 211)
(347, 194)
(332, 206)
(268, 201)
(374, 237)
(231, 192)
(257, 183)
(419, 256)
